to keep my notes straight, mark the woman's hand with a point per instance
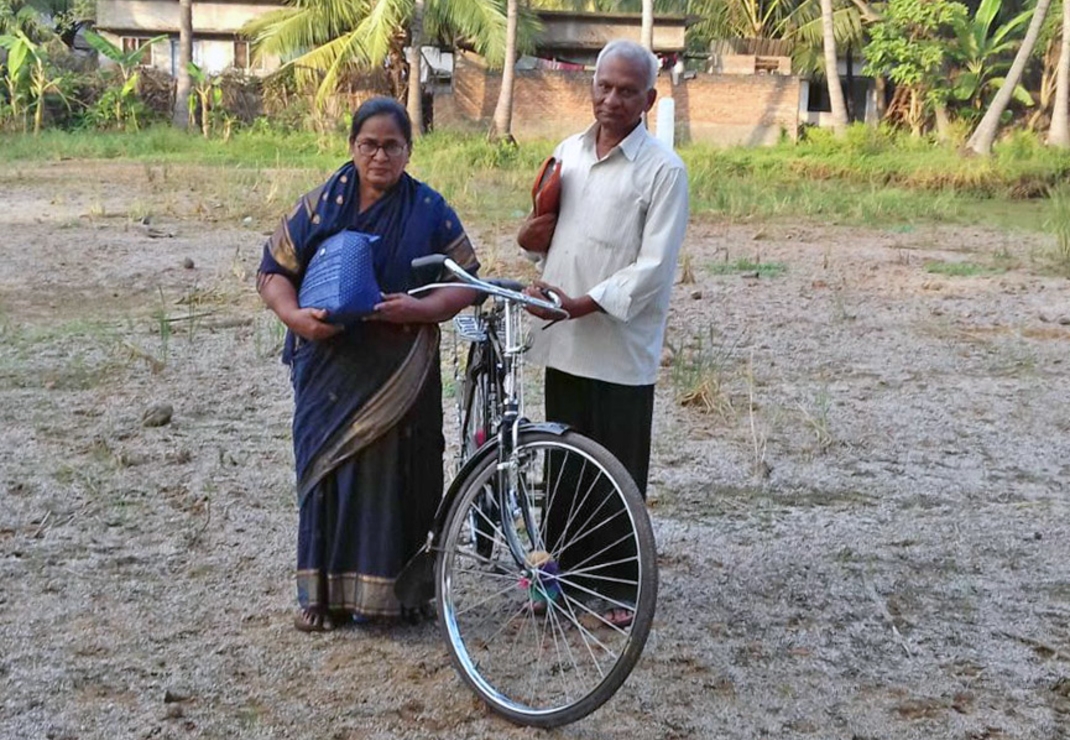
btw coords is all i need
(402, 308)
(280, 295)
(311, 324)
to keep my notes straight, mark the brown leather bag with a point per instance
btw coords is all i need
(537, 231)
(546, 192)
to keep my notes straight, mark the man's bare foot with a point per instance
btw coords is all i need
(621, 618)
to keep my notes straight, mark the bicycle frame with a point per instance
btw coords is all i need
(505, 341)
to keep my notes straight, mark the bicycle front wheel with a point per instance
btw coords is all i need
(547, 638)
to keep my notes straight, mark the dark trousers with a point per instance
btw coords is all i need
(589, 533)
(619, 417)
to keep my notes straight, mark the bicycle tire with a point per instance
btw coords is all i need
(556, 667)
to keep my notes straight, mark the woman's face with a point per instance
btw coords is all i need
(380, 152)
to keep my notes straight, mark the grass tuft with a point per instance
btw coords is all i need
(743, 266)
(959, 269)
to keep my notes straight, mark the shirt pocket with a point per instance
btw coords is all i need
(613, 216)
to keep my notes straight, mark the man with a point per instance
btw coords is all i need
(612, 261)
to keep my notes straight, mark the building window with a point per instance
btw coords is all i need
(133, 43)
(242, 55)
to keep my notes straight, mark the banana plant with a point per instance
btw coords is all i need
(982, 51)
(121, 100)
(17, 72)
(42, 83)
(207, 96)
(128, 61)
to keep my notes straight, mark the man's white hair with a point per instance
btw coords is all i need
(635, 53)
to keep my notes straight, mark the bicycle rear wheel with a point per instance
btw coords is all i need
(534, 639)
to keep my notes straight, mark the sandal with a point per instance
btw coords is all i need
(310, 620)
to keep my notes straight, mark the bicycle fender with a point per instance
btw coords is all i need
(489, 449)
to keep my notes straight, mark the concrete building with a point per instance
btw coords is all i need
(747, 95)
(217, 44)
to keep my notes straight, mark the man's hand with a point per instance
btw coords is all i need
(537, 232)
(311, 324)
(576, 307)
(401, 308)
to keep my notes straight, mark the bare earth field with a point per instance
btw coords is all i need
(864, 535)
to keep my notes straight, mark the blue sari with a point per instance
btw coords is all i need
(367, 425)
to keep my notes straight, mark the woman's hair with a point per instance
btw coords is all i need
(378, 107)
(634, 53)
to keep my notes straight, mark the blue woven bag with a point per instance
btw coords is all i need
(340, 278)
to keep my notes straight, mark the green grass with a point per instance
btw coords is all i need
(959, 269)
(163, 144)
(872, 177)
(744, 265)
(1058, 223)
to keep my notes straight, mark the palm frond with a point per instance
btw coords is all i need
(480, 22)
(846, 28)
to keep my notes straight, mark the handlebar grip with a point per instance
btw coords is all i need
(428, 269)
(551, 296)
(431, 260)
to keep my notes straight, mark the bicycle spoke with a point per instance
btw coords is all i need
(587, 533)
(584, 633)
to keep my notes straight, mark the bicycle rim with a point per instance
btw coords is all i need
(532, 639)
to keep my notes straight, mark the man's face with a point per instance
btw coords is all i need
(619, 95)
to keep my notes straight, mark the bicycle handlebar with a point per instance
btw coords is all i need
(439, 261)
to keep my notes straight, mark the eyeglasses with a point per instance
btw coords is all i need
(370, 148)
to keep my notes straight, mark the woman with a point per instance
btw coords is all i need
(367, 422)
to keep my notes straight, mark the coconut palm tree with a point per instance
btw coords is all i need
(985, 134)
(1059, 133)
(832, 70)
(183, 84)
(323, 40)
(502, 124)
(416, 42)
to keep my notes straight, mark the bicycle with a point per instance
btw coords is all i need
(540, 535)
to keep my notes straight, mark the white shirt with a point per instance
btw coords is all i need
(618, 235)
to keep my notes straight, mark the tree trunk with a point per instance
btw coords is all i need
(39, 113)
(832, 72)
(985, 135)
(180, 113)
(646, 33)
(880, 92)
(416, 42)
(1059, 133)
(943, 121)
(502, 126)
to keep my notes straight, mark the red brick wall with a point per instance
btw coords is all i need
(717, 109)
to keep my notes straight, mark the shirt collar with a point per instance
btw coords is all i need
(630, 146)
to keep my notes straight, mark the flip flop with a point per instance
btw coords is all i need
(307, 620)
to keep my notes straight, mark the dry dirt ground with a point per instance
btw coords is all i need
(864, 535)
